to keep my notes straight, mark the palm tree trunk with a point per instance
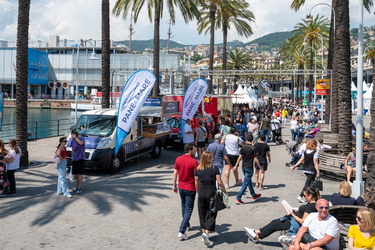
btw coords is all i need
(225, 39)
(342, 54)
(370, 182)
(212, 43)
(21, 78)
(311, 75)
(335, 76)
(106, 62)
(155, 89)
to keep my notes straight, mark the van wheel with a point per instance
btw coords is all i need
(116, 164)
(156, 151)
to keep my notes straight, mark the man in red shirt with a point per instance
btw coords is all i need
(184, 169)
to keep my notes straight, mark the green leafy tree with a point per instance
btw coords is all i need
(229, 13)
(239, 60)
(155, 10)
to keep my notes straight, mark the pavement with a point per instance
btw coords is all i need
(136, 208)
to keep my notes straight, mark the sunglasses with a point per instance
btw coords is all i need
(358, 218)
(65, 140)
(321, 208)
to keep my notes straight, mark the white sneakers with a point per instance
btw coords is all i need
(206, 239)
(301, 199)
(251, 234)
(182, 236)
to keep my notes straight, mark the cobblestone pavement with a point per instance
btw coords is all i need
(136, 208)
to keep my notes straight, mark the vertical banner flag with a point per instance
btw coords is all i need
(134, 94)
(322, 86)
(193, 96)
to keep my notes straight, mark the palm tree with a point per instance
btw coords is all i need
(155, 12)
(239, 60)
(106, 61)
(228, 12)
(21, 78)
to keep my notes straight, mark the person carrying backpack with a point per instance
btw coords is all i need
(300, 131)
(241, 130)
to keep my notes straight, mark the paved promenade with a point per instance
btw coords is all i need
(136, 208)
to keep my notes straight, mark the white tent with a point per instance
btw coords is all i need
(241, 96)
(367, 98)
(353, 87)
(365, 86)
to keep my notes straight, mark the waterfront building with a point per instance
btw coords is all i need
(54, 70)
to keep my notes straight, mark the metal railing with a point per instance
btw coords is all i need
(38, 129)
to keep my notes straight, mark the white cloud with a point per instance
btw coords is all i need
(72, 19)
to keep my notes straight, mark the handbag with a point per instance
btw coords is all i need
(317, 183)
(217, 202)
(56, 159)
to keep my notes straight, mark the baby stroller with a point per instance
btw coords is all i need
(276, 136)
(4, 183)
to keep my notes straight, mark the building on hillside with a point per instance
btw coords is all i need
(271, 62)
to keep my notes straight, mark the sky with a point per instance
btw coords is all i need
(81, 19)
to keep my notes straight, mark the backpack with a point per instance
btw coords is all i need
(239, 130)
(300, 131)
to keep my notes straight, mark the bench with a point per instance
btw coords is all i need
(331, 162)
(331, 139)
(345, 215)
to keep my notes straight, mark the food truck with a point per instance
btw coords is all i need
(98, 129)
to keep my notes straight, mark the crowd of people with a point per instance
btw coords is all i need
(243, 141)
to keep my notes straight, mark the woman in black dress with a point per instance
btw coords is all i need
(310, 165)
(206, 177)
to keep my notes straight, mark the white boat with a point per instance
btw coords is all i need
(96, 103)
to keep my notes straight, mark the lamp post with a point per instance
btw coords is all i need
(358, 182)
(305, 43)
(314, 66)
(309, 16)
(150, 65)
(92, 57)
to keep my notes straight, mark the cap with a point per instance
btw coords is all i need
(218, 137)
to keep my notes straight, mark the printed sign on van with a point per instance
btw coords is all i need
(134, 94)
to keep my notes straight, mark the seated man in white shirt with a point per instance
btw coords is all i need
(319, 230)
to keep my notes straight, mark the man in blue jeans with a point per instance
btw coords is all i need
(248, 154)
(184, 169)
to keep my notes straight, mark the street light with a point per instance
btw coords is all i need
(309, 17)
(358, 182)
(150, 65)
(315, 54)
(92, 57)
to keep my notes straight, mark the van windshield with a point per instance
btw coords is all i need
(95, 125)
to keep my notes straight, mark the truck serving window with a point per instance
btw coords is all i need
(95, 125)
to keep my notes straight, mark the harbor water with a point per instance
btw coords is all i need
(41, 122)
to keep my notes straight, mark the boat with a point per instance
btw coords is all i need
(96, 102)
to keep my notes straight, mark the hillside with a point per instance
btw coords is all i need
(141, 45)
(272, 40)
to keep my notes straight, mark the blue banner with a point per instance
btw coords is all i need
(134, 94)
(38, 67)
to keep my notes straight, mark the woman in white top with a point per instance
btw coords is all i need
(293, 128)
(12, 164)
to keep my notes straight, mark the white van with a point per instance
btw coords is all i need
(98, 129)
